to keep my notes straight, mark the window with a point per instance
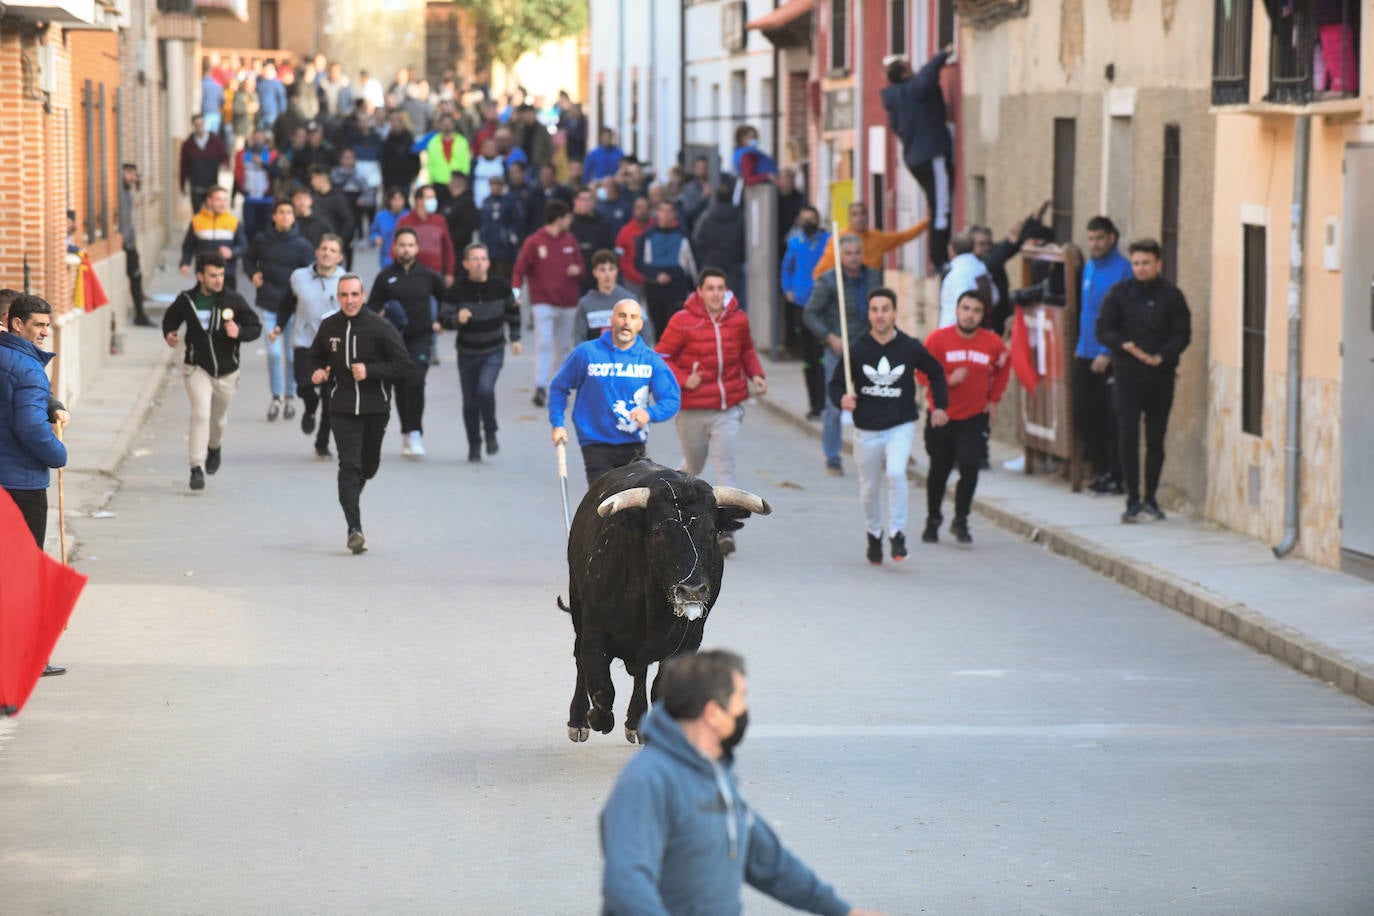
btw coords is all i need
(1168, 223)
(1231, 52)
(739, 101)
(268, 19)
(896, 26)
(1065, 139)
(634, 115)
(601, 103)
(1254, 307)
(715, 114)
(839, 34)
(1312, 50)
(978, 199)
(944, 30)
(95, 159)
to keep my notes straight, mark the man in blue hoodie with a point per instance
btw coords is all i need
(614, 377)
(677, 834)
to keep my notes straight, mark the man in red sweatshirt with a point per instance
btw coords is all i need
(708, 346)
(431, 230)
(552, 262)
(977, 367)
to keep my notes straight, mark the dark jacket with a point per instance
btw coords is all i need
(28, 446)
(200, 165)
(275, 255)
(366, 338)
(1154, 316)
(464, 220)
(916, 114)
(211, 349)
(412, 289)
(502, 226)
(718, 237)
(313, 228)
(666, 251)
(399, 164)
(495, 314)
(593, 233)
(335, 207)
(822, 315)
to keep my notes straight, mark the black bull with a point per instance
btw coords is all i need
(644, 570)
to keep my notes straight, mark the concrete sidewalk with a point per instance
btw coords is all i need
(1318, 621)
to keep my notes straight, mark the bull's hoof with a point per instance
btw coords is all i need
(602, 720)
(631, 735)
(578, 734)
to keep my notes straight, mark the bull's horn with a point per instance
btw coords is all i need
(742, 499)
(633, 498)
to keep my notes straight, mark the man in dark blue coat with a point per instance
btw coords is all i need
(915, 106)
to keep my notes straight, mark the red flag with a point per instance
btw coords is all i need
(37, 595)
(1022, 359)
(90, 294)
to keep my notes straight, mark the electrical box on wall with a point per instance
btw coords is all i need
(1331, 243)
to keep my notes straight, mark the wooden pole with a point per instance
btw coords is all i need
(61, 504)
(844, 310)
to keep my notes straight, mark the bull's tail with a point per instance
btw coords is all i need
(563, 607)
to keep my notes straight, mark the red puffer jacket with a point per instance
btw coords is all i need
(721, 350)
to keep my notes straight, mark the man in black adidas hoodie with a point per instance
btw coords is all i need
(883, 364)
(360, 355)
(482, 309)
(217, 320)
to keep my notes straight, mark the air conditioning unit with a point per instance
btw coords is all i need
(47, 68)
(732, 35)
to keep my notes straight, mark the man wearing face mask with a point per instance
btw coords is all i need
(431, 229)
(803, 253)
(677, 834)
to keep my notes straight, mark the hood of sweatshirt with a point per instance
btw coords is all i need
(697, 307)
(662, 731)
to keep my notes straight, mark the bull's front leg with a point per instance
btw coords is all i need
(594, 665)
(639, 702)
(577, 711)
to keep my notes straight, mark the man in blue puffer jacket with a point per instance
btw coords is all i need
(28, 446)
(678, 835)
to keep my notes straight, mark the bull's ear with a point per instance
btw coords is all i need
(731, 518)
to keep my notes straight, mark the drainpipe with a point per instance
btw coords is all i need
(1302, 130)
(856, 41)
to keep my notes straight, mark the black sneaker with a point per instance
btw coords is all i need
(143, 321)
(197, 479)
(959, 528)
(51, 670)
(932, 533)
(322, 451)
(726, 541)
(474, 454)
(308, 422)
(1102, 484)
(356, 542)
(875, 549)
(212, 459)
(1151, 508)
(541, 397)
(898, 542)
(492, 445)
(1133, 511)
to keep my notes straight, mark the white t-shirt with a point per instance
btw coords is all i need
(961, 277)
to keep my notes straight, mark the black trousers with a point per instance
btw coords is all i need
(34, 506)
(598, 457)
(477, 374)
(936, 179)
(311, 395)
(663, 302)
(410, 394)
(1094, 417)
(133, 269)
(359, 443)
(1149, 393)
(812, 357)
(962, 443)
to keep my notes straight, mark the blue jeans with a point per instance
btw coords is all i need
(830, 416)
(477, 374)
(280, 357)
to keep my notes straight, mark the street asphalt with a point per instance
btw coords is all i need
(256, 721)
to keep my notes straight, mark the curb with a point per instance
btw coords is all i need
(138, 414)
(1233, 618)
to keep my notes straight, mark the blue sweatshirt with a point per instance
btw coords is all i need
(1099, 275)
(799, 263)
(679, 837)
(610, 383)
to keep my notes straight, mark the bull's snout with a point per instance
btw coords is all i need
(690, 600)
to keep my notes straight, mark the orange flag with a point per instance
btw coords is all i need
(89, 295)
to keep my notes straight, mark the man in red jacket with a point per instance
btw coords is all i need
(625, 241)
(977, 367)
(708, 346)
(431, 229)
(552, 261)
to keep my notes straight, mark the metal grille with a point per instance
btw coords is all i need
(1254, 308)
(1065, 141)
(1168, 228)
(896, 25)
(839, 34)
(1231, 52)
(1290, 55)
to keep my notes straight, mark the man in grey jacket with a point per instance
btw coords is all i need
(132, 268)
(822, 318)
(595, 307)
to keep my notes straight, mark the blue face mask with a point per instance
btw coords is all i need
(431, 204)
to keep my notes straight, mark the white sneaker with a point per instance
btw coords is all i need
(405, 445)
(417, 445)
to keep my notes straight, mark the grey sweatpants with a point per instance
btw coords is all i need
(712, 432)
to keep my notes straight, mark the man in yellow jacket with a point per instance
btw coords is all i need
(876, 242)
(447, 152)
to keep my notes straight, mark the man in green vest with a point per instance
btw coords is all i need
(446, 153)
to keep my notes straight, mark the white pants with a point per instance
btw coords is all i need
(880, 454)
(210, 398)
(714, 432)
(553, 333)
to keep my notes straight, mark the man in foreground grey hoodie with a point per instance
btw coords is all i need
(677, 834)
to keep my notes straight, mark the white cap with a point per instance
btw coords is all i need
(894, 58)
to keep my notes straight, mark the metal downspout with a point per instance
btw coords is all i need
(1302, 131)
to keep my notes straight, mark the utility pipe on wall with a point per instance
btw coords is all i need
(856, 41)
(1302, 131)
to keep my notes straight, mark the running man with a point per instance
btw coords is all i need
(977, 367)
(275, 253)
(314, 296)
(884, 364)
(614, 377)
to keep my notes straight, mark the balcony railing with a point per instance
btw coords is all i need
(1314, 50)
(176, 6)
(1231, 52)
